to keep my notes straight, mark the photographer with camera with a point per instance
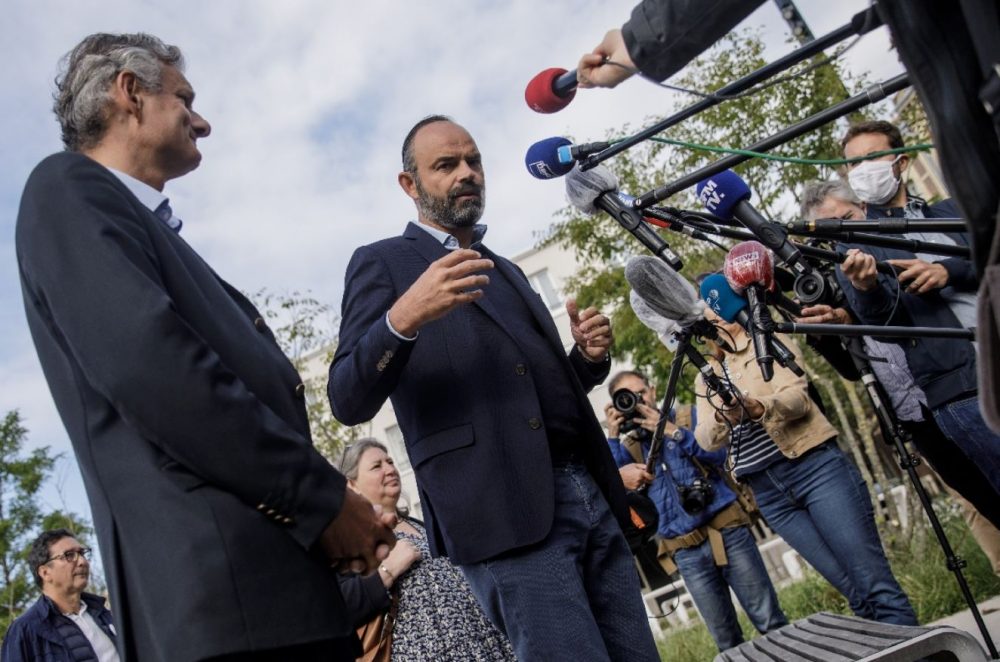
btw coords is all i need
(703, 529)
(784, 448)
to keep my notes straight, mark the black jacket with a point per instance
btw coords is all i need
(187, 423)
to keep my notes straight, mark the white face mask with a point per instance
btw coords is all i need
(874, 181)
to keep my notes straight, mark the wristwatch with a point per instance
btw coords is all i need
(677, 435)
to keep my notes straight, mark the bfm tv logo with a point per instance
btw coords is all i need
(710, 196)
(542, 168)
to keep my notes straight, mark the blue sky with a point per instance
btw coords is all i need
(309, 101)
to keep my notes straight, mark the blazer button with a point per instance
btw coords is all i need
(300, 390)
(520, 369)
(260, 324)
(534, 423)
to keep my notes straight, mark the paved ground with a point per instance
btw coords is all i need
(990, 609)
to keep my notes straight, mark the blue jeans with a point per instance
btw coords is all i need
(963, 424)
(575, 595)
(709, 586)
(820, 505)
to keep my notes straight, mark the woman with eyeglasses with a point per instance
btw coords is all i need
(436, 616)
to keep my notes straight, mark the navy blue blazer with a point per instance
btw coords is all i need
(186, 422)
(466, 404)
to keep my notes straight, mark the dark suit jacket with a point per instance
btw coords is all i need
(192, 438)
(467, 404)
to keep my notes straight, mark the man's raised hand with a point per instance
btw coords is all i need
(446, 284)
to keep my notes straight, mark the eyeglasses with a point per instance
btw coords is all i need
(72, 555)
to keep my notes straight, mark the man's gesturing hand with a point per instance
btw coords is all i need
(591, 331)
(360, 536)
(448, 283)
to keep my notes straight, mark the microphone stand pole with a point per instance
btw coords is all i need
(890, 225)
(876, 331)
(875, 93)
(632, 220)
(902, 243)
(897, 436)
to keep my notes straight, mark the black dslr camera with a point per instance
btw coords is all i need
(696, 496)
(627, 402)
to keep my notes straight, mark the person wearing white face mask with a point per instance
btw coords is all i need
(931, 291)
(877, 182)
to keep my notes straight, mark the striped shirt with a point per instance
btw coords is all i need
(752, 449)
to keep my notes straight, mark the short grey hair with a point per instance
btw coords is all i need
(351, 458)
(87, 72)
(815, 194)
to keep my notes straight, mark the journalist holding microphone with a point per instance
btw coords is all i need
(783, 447)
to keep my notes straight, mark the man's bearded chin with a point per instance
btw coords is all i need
(448, 213)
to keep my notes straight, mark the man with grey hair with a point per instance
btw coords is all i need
(217, 518)
(835, 199)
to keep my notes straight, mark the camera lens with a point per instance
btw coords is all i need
(625, 401)
(809, 288)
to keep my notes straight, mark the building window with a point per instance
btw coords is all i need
(541, 283)
(397, 448)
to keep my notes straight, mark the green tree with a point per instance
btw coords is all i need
(22, 515)
(305, 330)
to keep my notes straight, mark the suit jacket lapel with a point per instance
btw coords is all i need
(431, 249)
(530, 297)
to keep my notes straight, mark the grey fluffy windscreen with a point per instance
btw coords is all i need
(582, 188)
(655, 322)
(665, 291)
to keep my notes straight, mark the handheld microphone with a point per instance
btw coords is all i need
(542, 158)
(554, 157)
(749, 270)
(597, 188)
(726, 194)
(551, 90)
(749, 263)
(731, 307)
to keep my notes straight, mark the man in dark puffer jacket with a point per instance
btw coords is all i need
(65, 624)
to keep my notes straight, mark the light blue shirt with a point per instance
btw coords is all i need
(154, 200)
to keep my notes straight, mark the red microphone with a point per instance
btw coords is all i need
(749, 263)
(749, 270)
(551, 90)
